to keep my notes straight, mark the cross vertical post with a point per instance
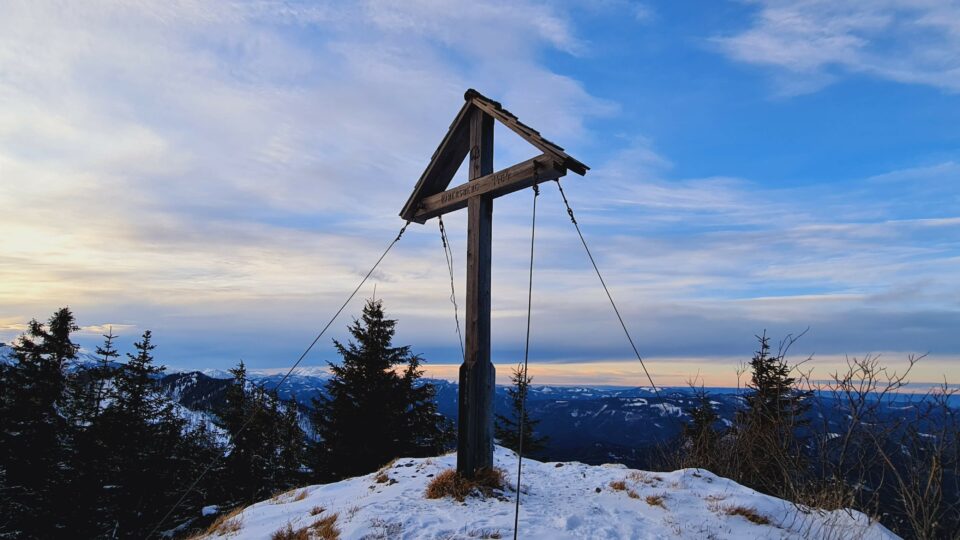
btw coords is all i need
(471, 135)
(477, 374)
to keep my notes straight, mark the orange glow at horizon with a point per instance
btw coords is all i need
(715, 372)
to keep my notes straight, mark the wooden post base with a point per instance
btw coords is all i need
(475, 440)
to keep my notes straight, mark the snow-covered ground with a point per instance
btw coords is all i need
(559, 501)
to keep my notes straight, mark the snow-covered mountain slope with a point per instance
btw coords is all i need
(559, 501)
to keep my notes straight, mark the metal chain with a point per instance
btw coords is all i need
(448, 255)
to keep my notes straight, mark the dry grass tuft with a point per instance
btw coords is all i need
(748, 513)
(640, 476)
(618, 485)
(317, 510)
(288, 533)
(655, 500)
(324, 528)
(485, 533)
(292, 495)
(230, 522)
(450, 484)
(632, 494)
(381, 478)
(644, 477)
(384, 530)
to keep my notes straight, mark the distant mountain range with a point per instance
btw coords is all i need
(589, 424)
(593, 425)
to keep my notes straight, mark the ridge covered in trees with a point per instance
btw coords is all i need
(97, 451)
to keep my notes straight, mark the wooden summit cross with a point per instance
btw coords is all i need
(472, 133)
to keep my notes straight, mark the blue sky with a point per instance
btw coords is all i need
(224, 173)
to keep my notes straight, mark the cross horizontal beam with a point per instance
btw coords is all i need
(522, 175)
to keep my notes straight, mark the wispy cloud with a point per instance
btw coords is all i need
(224, 173)
(179, 158)
(812, 42)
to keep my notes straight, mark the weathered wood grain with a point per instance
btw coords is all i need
(471, 133)
(520, 176)
(526, 132)
(444, 162)
(477, 374)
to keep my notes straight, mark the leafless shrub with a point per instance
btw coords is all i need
(895, 457)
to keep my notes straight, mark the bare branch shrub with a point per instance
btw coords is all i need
(864, 443)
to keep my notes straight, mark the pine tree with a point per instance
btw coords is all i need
(700, 438)
(292, 447)
(242, 419)
(767, 427)
(136, 393)
(90, 390)
(35, 452)
(507, 429)
(147, 448)
(235, 409)
(427, 432)
(267, 445)
(103, 372)
(371, 413)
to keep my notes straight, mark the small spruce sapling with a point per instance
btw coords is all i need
(506, 428)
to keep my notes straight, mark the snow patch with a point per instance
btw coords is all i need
(559, 501)
(667, 409)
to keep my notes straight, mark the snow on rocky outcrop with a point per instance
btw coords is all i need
(559, 501)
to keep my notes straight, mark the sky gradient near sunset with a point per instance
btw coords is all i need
(224, 173)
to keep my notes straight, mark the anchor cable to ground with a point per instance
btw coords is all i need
(249, 419)
(521, 421)
(573, 219)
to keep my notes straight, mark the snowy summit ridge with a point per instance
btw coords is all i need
(559, 501)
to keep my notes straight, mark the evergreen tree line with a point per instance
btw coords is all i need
(98, 451)
(93, 452)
